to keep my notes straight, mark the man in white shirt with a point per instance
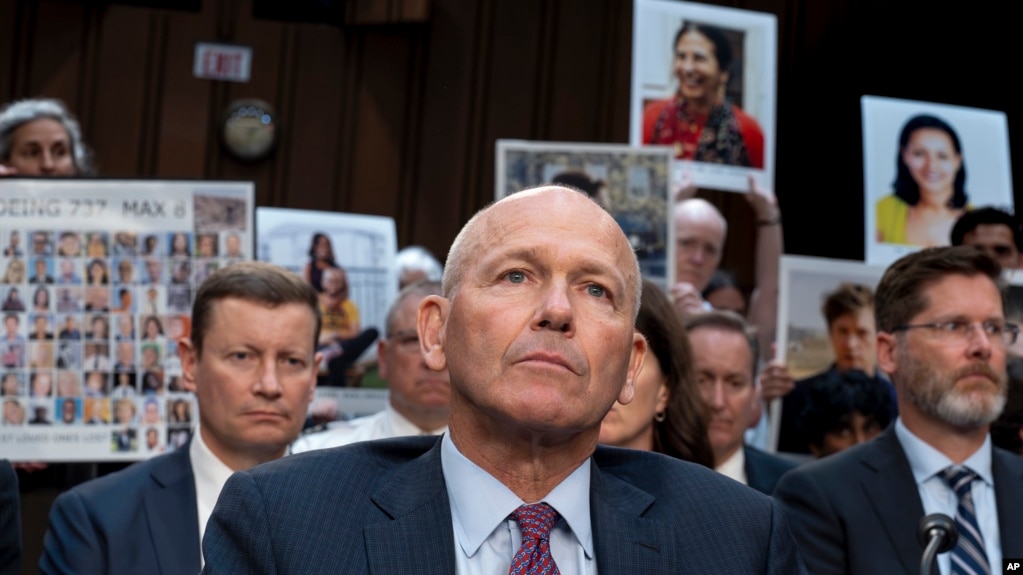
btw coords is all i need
(536, 329)
(253, 386)
(942, 335)
(419, 399)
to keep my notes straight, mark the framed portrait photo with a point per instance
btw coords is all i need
(924, 165)
(704, 84)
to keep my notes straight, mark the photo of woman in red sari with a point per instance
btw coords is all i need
(699, 121)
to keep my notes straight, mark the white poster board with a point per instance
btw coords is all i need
(929, 168)
(669, 94)
(97, 286)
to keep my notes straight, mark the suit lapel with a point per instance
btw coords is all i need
(892, 493)
(625, 542)
(417, 522)
(171, 514)
(1007, 469)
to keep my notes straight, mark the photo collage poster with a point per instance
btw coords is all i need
(364, 247)
(97, 283)
(704, 83)
(924, 165)
(633, 185)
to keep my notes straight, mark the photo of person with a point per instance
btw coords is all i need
(41, 384)
(69, 244)
(41, 299)
(97, 357)
(233, 246)
(96, 245)
(42, 271)
(153, 444)
(69, 355)
(12, 247)
(14, 412)
(704, 84)
(96, 411)
(13, 301)
(42, 242)
(14, 272)
(69, 409)
(97, 384)
(207, 245)
(125, 243)
(40, 414)
(68, 384)
(180, 244)
(68, 272)
(11, 385)
(925, 165)
(179, 411)
(69, 299)
(41, 355)
(125, 271)
(151, 245)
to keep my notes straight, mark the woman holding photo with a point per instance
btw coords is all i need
(930, 181)
(698, 120)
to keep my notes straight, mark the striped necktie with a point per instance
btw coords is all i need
(968, 556)
(534, 556)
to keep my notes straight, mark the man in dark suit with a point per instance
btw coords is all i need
(725, 361)
(942, 336)
(253, 387)
(536, 332)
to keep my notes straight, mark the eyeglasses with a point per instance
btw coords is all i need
(1000, 333)
(407, 340)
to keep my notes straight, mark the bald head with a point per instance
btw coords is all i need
(700, 232)
(541, 206)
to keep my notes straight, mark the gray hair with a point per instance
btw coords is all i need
(21, 112)
(418, 258)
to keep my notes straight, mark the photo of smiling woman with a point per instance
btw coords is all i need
(925, 165)
(929, 188)
(699, 121)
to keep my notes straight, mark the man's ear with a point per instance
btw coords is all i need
(189, 358)
(887, 352)
(636, 359)
(431, 322)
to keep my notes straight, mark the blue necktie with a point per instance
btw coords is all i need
(968, 556)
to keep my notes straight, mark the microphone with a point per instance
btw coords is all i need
(937, 533)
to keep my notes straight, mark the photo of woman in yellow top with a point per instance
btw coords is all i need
(929, 189)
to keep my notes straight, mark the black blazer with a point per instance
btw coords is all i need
(856, 512)
(763, 470)
(10, 521)
(142, 519)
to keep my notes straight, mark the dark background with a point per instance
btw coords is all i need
(395, 107)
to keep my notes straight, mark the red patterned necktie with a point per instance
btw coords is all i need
(534, 556)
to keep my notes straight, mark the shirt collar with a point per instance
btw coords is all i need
(734, 466)
(481, 503)
(926, 462)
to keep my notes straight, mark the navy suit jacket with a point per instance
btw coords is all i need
(856, 512)
(142, 519)
(763, 470)
(382, 507)
(10, 520)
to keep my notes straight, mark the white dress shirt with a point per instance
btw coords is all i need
(937, 497)
(381, 425)
(734, 466)
(486, 539)
(210, 475)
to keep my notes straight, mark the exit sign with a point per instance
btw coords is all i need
(222, 62)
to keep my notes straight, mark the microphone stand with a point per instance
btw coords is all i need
(938, 533)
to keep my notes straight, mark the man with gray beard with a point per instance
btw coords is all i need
(942, 336)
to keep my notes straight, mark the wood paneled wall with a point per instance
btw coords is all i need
(400, 119)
